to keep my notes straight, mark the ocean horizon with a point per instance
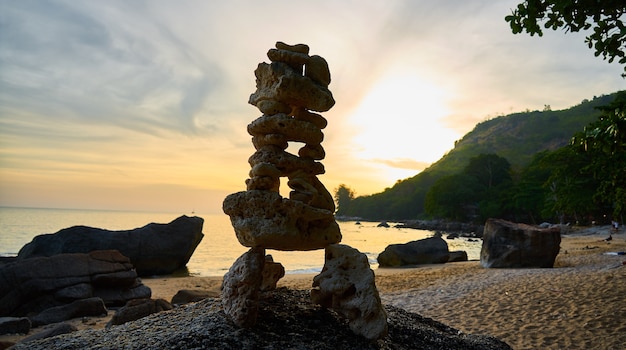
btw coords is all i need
(219, 248)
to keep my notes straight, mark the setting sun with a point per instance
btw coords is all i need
(398, 124)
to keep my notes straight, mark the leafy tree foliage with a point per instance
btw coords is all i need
(475, 193)
(604, 144)
(563, 180)
(569, 188)
(452, 197)
(608, 37)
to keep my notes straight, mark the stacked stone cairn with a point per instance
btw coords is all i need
(289, 90)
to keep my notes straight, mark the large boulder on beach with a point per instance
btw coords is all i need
(513, 245)
(154, 249)
(433, 250)
(31, 286)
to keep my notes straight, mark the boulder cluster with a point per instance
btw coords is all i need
(290, 90)
(83, 271)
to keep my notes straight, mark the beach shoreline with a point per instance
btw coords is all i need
(577, 304)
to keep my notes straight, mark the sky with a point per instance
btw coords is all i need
(142, 105)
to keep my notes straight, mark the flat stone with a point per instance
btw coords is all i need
(265, 219)
(280, 82)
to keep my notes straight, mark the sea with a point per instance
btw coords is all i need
(219, 248)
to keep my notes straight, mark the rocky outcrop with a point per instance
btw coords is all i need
(287, 320)
(346, 284)
(433, 250)
(153, 249)
(512, 245)
(272, 273)
(288, 89)
(30, 286)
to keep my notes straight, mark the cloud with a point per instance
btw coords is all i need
(154, 92)
(404, 163)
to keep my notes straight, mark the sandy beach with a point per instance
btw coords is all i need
(579, 304)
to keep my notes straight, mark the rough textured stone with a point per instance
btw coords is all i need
(286, 162)
(240, 290)
(433, 250)
(458, 255)
(153, 249)
(292, 129)
(14, 325)
(138, 308)
(346, 284)
(186, 296)
(281, 82)
(265, 219)
(33, 285)
(317, 70)
(513, 245)
(61, 328)
(78, 308)
(272, 272)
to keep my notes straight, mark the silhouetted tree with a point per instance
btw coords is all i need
(343, 197)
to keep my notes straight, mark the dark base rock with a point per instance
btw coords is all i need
(30, 286)
(14, 325)
(286, 320)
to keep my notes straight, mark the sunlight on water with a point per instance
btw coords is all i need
(219, 247)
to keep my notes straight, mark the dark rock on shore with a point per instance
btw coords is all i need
(30, 286)
(154, 249)
(287, 320)
(14, 325)
(512, 245)
(138, 308)
(78, 308)
(433, 250)
(458, 255)
(186, 296)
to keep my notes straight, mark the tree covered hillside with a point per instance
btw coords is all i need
(516, 138)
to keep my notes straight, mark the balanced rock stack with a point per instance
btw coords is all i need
(289, 90)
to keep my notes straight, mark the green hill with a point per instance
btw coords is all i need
(516, 137)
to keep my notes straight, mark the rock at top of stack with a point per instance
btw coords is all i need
(288, 88)
(285, 83)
